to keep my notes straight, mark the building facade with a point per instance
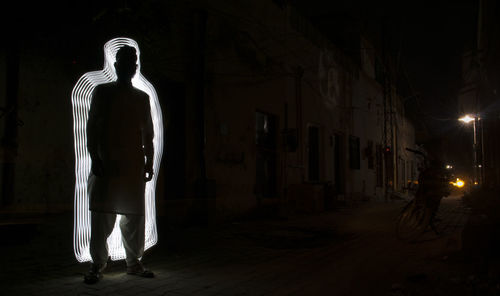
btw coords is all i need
(262, 112)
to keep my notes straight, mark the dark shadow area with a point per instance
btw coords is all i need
(34, 246)
(15, 234)
(288, 238)
(481, 235)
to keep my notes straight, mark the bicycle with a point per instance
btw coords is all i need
(413, 221)
(418, 214)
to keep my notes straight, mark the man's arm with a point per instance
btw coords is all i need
(93, 133)
(147, 141)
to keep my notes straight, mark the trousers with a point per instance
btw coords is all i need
(132, 228)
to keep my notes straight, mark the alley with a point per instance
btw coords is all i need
(269, 145)
(351, 251)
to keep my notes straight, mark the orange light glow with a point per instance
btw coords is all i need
(459, 183)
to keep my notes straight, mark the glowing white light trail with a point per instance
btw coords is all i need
(81, 97)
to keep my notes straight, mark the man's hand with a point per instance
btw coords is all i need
(148, 172)
(97, 168)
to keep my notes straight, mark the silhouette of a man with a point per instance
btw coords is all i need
(433, 185)
(120, 143)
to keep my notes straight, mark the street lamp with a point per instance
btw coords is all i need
(467, 118)
(478, 168)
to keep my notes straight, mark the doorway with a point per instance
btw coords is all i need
(266, 155)
(313, 153)
(338, 167)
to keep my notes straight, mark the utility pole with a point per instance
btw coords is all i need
(388, 138)
(199, 48)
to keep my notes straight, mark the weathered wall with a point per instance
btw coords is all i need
(244, 56)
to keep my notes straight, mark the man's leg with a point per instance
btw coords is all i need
(101, 227)
(133, 228)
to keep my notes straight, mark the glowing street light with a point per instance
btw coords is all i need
(467, 118)
(477, 167)
(459, 183)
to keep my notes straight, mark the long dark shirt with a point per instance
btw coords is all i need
(120, 135)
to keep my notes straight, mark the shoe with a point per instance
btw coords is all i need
(139, 270)
(94, 274)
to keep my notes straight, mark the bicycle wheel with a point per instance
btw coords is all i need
(412, 222)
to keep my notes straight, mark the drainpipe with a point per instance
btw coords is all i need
(298, 105)
(10, 115)
(199, 52)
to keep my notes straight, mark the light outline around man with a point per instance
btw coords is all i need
(81, 99)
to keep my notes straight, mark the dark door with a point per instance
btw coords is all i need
(266, 154)
(338, 168)
(313, 160)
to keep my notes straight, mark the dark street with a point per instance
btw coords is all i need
(345, 252)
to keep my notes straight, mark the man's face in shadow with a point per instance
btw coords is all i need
(126, 63)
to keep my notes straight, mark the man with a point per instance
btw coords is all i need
(120, 143)
(433, 185)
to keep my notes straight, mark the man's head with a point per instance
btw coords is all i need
(126, 63)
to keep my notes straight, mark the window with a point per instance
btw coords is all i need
(266, 155)
(338, 164)
(265, 130)
(378, 166)
(354, 153)
(313, 159)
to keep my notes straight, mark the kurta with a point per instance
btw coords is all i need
(120, 135)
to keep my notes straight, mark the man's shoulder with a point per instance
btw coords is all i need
(140, 93)
(111, 89)
(141, 96)
(104, 87)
